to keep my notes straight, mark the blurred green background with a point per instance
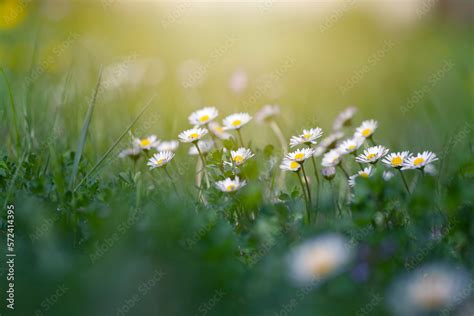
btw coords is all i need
(407, 64)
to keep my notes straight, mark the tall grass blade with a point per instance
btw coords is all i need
(83, 136)
(13, 108)
(107, 153)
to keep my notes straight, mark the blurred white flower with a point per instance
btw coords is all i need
(387, 175)
(170, 145)
(133, 152)
(146, 143)
(204, 146)
(366, 129)
(420, 160)
(331, 159)
(372, 154)
(203, 116)
(319, 258)
(428, 290)
(160, 159)
(236, 121)
(344, 118)
(349, 146)
(266, 113)
(308, 137)
(238, 81)
(367, 172)
(192, 135)
(328, 172)
(218, 131)
(229, 185)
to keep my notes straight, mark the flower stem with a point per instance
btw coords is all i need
(204, 164)
(171, 179)
(307, 185)
(308, 214)
(240, 137)
(317, 180)
(335, 198)
(344, 171)
(404, 181)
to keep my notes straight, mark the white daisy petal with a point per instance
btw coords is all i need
(366, 129)
(300, 155)
(146, 143)
(344, 118)
(203, 116)
(290, 165)
(420, 160)
(192, 135)
(160, 159)
(266, 113)
(229, 185)
(351, 145)
(241, 155)
(332, 158)
(396, 160)
(171, 145)
(236, 121)
(308, 137)
(372, 154)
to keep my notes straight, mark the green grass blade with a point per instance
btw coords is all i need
(107, 153)
(83, 136)
(13, 108)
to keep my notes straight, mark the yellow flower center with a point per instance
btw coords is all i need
(219, 129)
(366, 132)
(418, 161)
(145, 142)
(236, 123)
(364, 174)
(299, 156)
(294, 165)
(238, 159)
(306, 136)
(397, 161)
(204, 118)
(230, 187)
(351, 147)
(160, 161)
(193, 136)
(370, 156)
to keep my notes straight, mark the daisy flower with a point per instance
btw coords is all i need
(205, 146)
(366, 172)
(352, 180)
(308, 137)
(171, 145)
(319, 150)
(241, 155)
(266, 113)
(218, 131)
(420, 160)
(319, 258)
(229, 185)
(192, 135)
(203, 116)
(396, 160)
(290, 165)
(387, 175)
(330, 141)
(429, 290)
(344, 118)
(366, 129)
(349, 146)
(160, 159)
(133, 152)
(329, 172)
(146, 143)
(372, 154)
(331, 159)
(236, 121)
(300, 155)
